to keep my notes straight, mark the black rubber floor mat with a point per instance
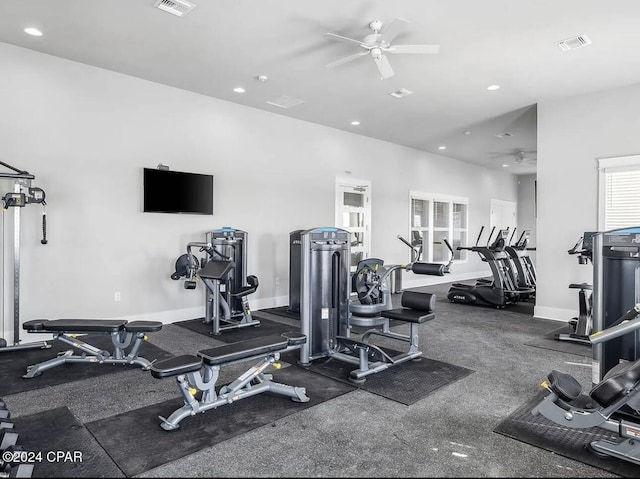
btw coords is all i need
(14, 365)
(541, 432)
(548, 341)
(266, 328)
(62, 446)
(406, 383)
(137, 443)
(283, 311)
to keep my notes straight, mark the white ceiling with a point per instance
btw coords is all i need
(222, 44)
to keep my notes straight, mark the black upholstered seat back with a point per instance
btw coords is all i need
(616, 383)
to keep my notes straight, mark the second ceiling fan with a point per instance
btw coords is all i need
(378, 43)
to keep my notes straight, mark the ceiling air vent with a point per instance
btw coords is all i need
(506, 134)
(176, 7)
(285, 101)
(400, 93)
(573, 43)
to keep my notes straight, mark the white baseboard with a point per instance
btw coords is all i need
(556, 314)
(410, 280)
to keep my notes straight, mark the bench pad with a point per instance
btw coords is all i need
(408, 315)
(143, 326)
(243, 350)
(76, 325)
(175, 366)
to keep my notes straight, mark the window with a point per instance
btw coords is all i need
(434, 218)
(618, 192)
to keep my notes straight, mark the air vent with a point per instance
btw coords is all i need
(400, 93)
(178, 8)
(573, 43)
(285, 101)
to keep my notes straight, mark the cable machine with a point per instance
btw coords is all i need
(23, 194)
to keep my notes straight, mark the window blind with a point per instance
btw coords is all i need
(622, 198)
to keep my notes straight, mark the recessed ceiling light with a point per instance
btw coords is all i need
(493, 87)
(263, 78)
(355, 122)
(467, 133)
(573, 43)
(33, 31)
(239, 89)
(505, 166)
(442, 147)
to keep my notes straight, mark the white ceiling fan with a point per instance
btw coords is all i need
(520, 157)
(378, 43)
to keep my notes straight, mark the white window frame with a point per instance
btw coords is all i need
(607, 165)
(431, 198)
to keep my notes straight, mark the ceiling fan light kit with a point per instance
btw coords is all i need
(379, 43)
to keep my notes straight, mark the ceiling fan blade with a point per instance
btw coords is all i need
(384, 66)
(344, 39)
(346, 59)
(391, 30)
(424, 49)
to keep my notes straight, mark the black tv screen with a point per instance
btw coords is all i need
(167, 191)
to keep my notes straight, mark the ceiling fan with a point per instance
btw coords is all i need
(520, 157)
(378, 43)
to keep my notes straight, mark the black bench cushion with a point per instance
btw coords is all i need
(143, 326)
(78, 325)
(243, 350)
(175, 366)
(216, 269)
(616, 382)
(408, 315)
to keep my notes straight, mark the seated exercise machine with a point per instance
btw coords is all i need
(227, 304)
(499, 291)
(370, 282)
(324, 308)
(23, 194)
(580, 327)
(198, 374)
(605, 405)
(124, 334)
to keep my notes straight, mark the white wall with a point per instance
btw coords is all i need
(87, 133)
(572, 134)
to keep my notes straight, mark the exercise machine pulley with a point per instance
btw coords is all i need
(23, 194)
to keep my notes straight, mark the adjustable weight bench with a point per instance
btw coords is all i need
(124, 334)
(200, 373)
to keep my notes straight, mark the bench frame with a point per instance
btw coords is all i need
(251, 383)
(121, 340)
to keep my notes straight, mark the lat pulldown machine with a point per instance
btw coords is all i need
(23, 194)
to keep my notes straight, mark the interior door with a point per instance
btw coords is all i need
(353, 214)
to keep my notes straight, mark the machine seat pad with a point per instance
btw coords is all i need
(84, 325)
(295, 338)
(408, 315)
(216, 269)
(564, 385)
(616, 383)
(174, 366)
(243, 350)
(34, 325)
(143, 326)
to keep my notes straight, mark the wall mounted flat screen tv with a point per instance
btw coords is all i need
(167, 191)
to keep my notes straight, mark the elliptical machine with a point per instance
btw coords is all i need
(502, 288)
(580, 327)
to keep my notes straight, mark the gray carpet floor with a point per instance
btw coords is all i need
(360, 434)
